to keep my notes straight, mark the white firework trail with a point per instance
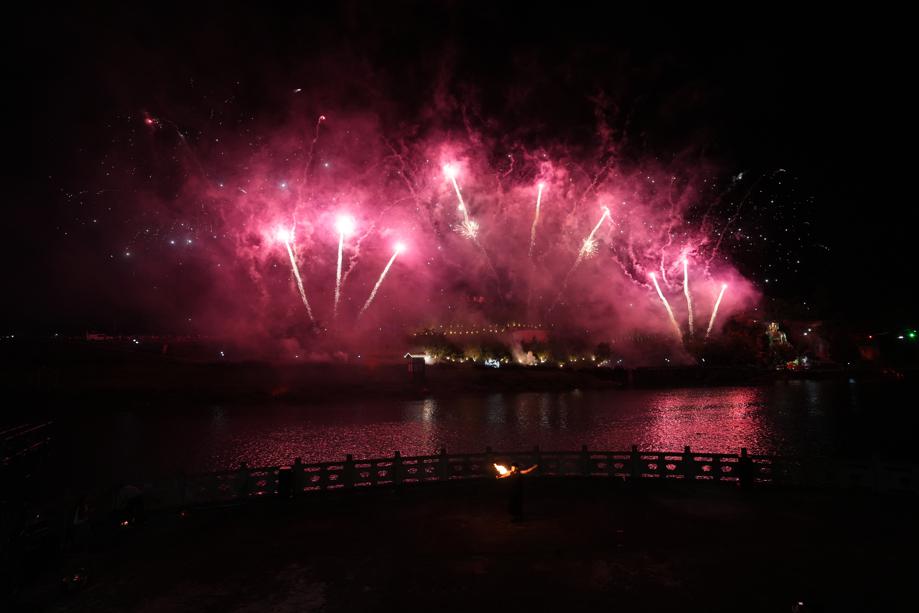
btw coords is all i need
(711, 322)
(589, 247)
(536, 217)
(676, 326)
(379, 282)
(296, 269)
(688, 295)
(344, 225)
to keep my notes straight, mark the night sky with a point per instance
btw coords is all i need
(809, 114)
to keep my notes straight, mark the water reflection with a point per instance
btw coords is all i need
(704, 421)
(793, 418)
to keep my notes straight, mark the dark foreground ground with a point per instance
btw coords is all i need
(451, 547)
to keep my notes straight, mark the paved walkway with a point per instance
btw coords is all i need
(451, 547)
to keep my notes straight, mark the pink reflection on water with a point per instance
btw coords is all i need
(708, 420)
(712, 420)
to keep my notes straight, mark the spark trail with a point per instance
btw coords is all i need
(285, 236)
(344, 225)
(540, 187)
(398, 249)
(470, 228)
(676, 326)
(688, 295)
(589, 247)
(711, 322)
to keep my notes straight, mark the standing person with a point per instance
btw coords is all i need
(77, 536)
(515, 503)
(129, 505)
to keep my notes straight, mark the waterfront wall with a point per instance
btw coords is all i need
(633, 466)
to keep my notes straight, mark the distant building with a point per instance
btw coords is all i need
(416, 366)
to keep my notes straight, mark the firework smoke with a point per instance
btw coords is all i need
(474, 267)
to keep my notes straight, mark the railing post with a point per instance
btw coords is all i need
(285, 482)
(537, 460)
(689, 465)
(242, 481)
(635, 461)
(444, 472)
(298, 476)
(585, 462)
(183, 489)
(744, 469)
(397, 468)
(876, 472)
(348, 477)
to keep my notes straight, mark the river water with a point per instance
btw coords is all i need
(795, 418)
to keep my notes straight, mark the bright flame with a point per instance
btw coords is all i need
(676, 326)
(502, 469)
(711, 322)
(344, 224)
(284, 235)
(450, 171)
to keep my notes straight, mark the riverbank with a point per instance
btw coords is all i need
(124, 376)
(585, 546)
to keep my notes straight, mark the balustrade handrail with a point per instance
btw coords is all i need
(631, 465)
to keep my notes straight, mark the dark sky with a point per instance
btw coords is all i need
(824, 96)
